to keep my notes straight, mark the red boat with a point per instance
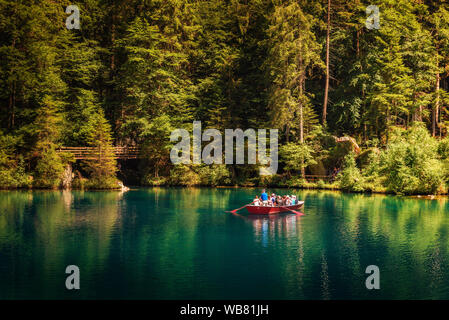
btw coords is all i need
(273, 210)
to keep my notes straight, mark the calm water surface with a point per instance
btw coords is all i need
(180, 244)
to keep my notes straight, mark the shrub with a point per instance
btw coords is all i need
(294, 182)
(443, 148)
(274, 180)
(12, 168)
(214, 175)
(350, 178)
(101, 183)
(151, 180)
(183, 175)
(320, 184)
(12, 174)
(411, 163)
(49, 169)
(79, 182)
(296, 156)
(443, 152)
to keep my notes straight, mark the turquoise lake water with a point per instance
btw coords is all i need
(181, 244)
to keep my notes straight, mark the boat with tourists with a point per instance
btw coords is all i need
(265, 205)
(253, 209)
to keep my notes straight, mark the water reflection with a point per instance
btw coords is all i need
(41, 233)
(180, 244)
(268, 228)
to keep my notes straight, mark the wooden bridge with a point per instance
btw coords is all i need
(314, 178)
(94, 153)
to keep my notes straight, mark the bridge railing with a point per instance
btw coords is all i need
(314, 177)
(93, 153)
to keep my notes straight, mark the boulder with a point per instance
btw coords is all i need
(67, 177)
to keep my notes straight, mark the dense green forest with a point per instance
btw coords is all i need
(137, 70)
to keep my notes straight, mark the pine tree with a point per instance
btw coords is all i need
(392, 88)
(156, 145)
(293, 54)
(342, 107)
(80, 67)
(438, 25)
(154, 77)
(49, 164)
(31, 84)
(102, 165)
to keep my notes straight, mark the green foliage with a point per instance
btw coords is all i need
(150, 180)
(49, 169)
(154, 137)
(102, 166)
(80, 66)
(350, 178)
(295, 182)
(214, 175)
(102, 183)
(411, 163)
(367, 157)
(293, 52)
(79, 182)
(374, 181)
(274, 180)
(12, 169)
(138, 70)
(296, 156)
(443, 148)
(204, 175)
(183, 175)
(443, 152)
(49, 164)
(156, 57)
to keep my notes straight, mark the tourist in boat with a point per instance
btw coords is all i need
(256, 201)
(288, 200)
(264, 198)
(273, 199)
(293, 200)
(279, 201)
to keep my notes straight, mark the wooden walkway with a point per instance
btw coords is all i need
(93, 153)
(313, 178)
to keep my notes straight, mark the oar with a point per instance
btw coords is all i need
(238, 215)
(298, 213)
(235, 210)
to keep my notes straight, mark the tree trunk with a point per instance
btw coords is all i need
(387, 124)
(301, 124)
(12, 102)
(12, 96)
(326, 88)
(100, 160)
(301, 138)
(112, 44)
(437, 105)
(301, 116)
